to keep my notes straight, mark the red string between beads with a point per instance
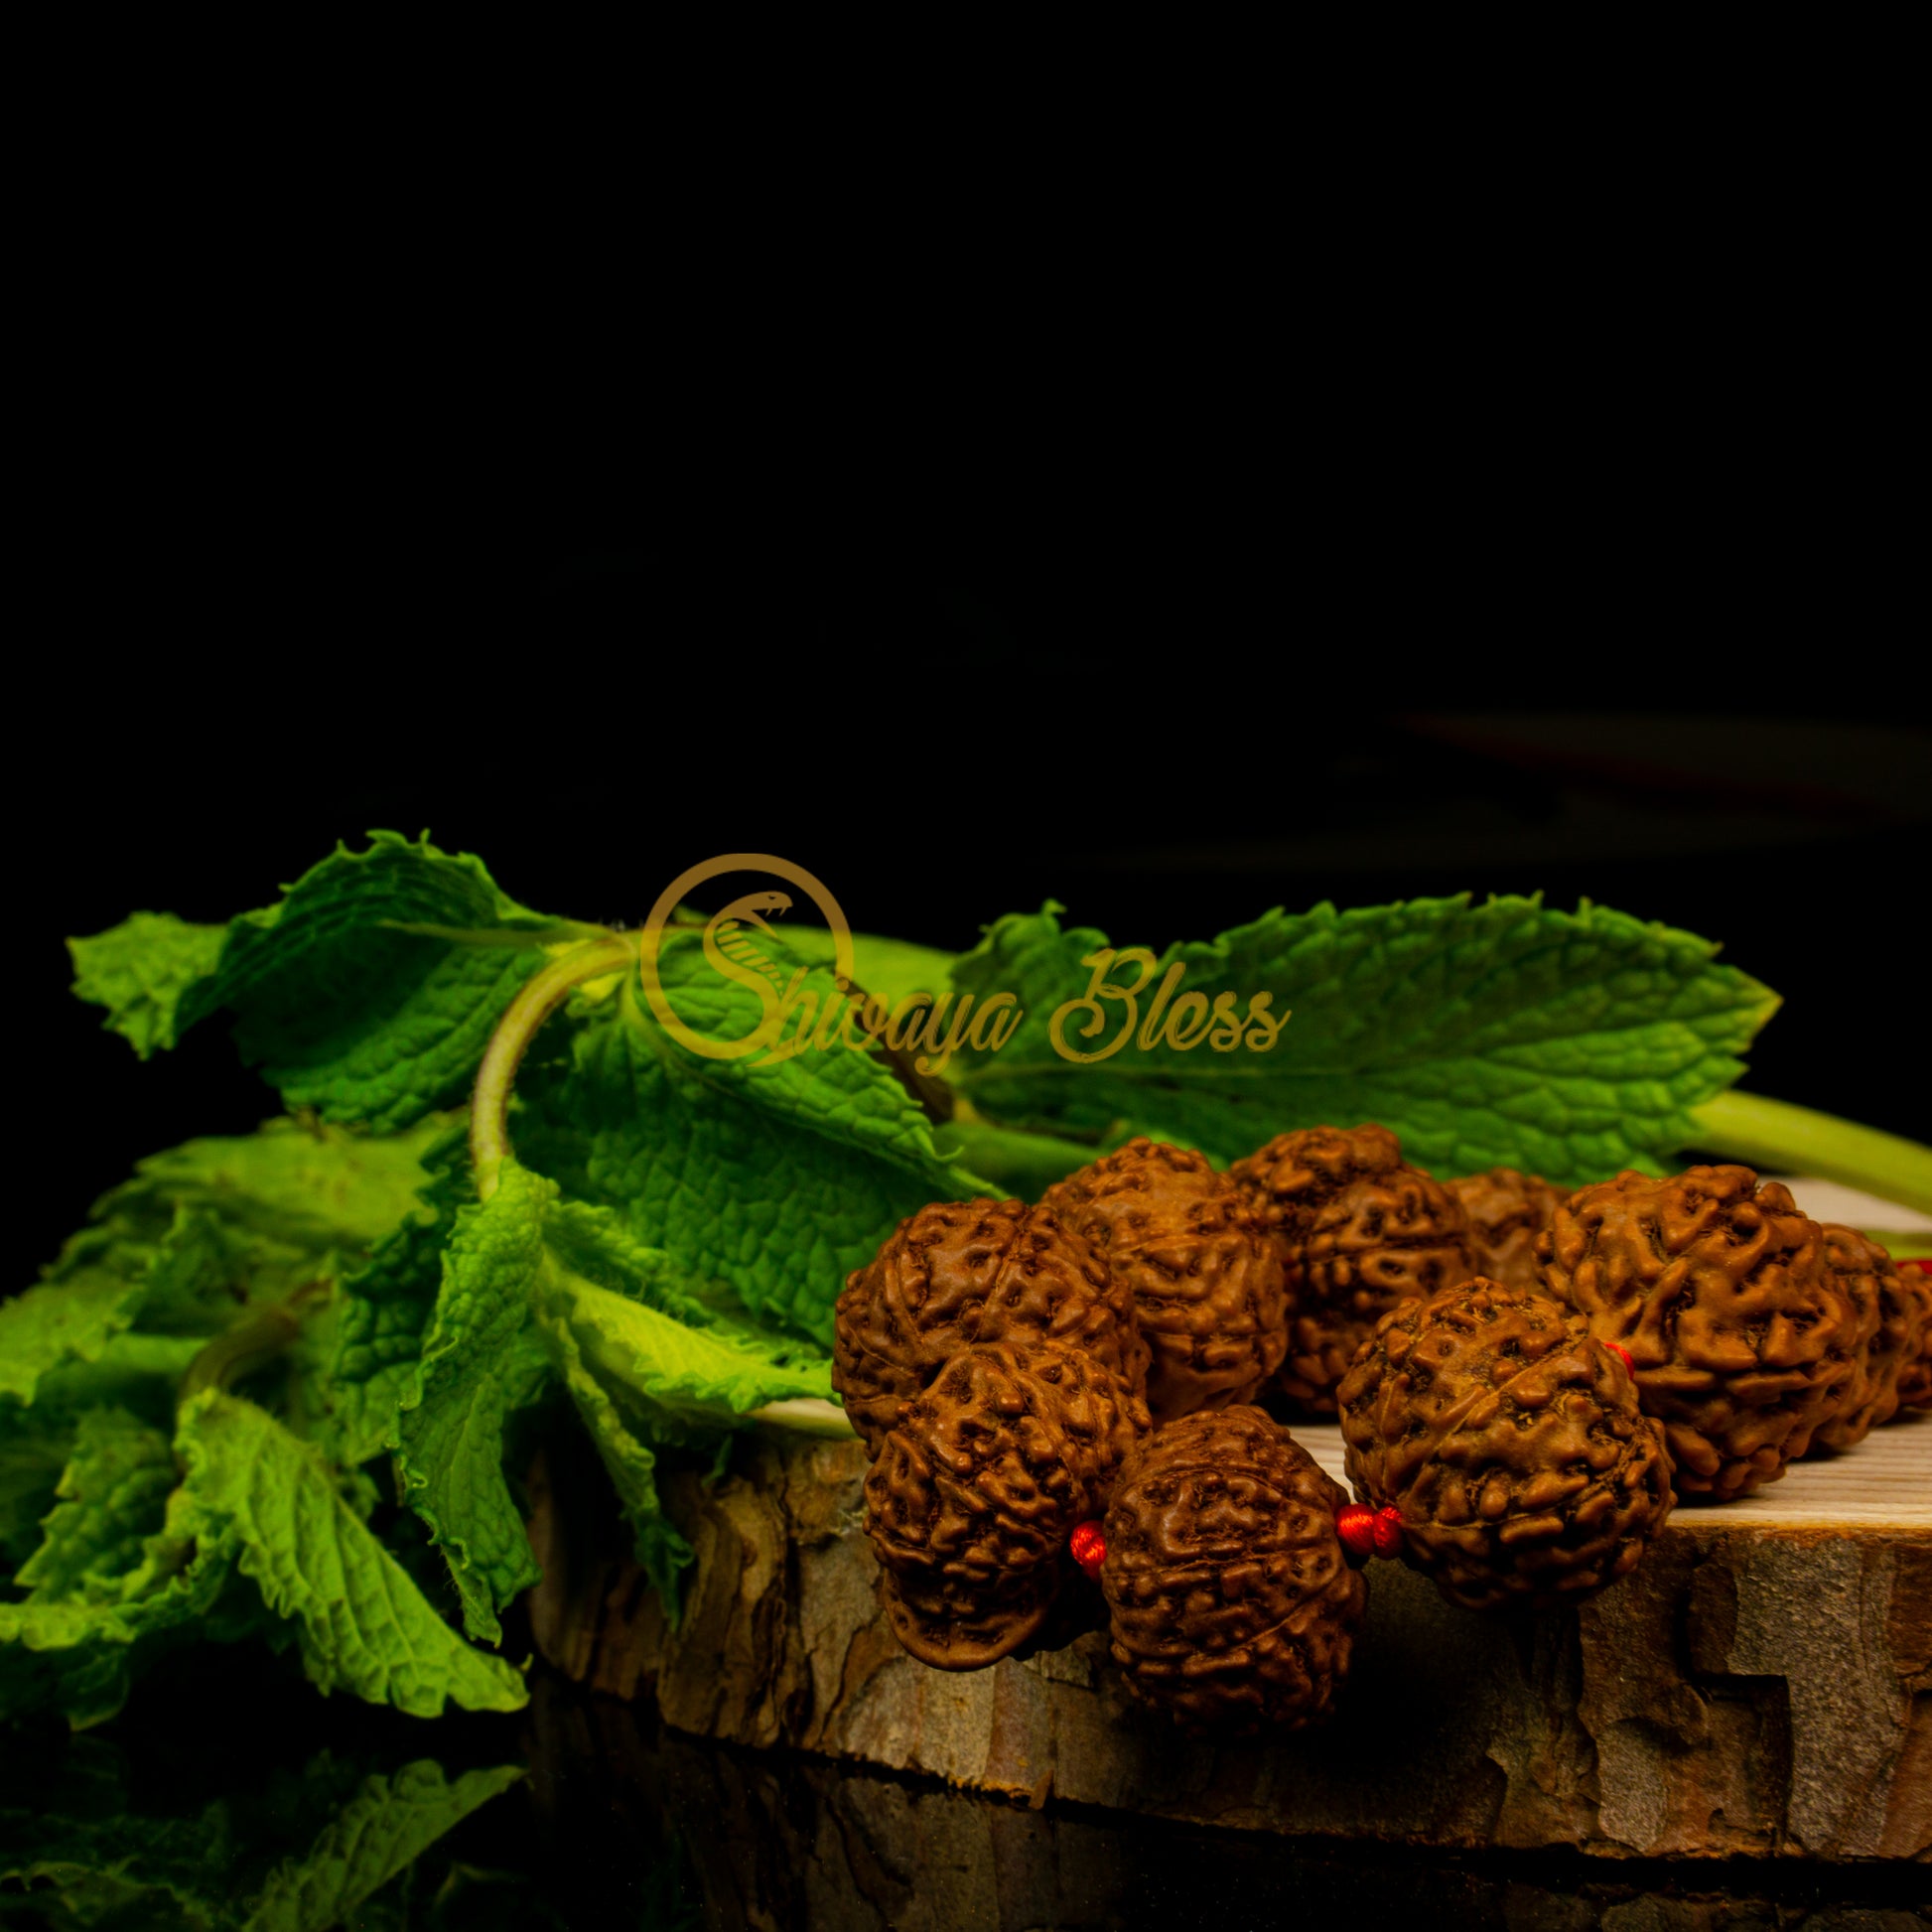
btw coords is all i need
(1622, 1354)
(1923, 1263)
(1088, 1545)
(1366, 1531)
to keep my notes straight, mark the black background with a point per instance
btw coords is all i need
(1167, 727)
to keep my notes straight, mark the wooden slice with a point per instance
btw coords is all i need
(1761, 1684)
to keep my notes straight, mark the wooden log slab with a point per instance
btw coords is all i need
(1761, 1686)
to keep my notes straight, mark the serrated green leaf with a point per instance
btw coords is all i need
(383, 1829)
(368, 990)
(640, 1377)
(1567, 1043)
(648, 1361)
(777, 1179)
(113, 1497)
(385, 1306)
(206, 1227)
(34, 1449)
(60, 1322)
(302, 1184)
(362, 1624)
(141, 969)
(482, 1362)
(661, 1551)
(80, 1657)
(888, 969)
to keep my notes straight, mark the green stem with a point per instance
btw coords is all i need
(1773, 1134)
(542, 995)
(1024, 1163)
(257, 1337)
(807, 1415)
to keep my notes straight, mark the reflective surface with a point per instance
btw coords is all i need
(581, 1812)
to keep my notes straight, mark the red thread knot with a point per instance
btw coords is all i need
(1366, 1531)
(1088, 1545)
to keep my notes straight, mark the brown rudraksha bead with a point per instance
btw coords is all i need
(1511, 1441)
(961, 1273)
(1893, 1307)
(1507, 1211)
(1741, 1339)
(1232, 1605)
(1204, 1275)
(1915, 1377)
(1359, 1231)
(976, 1489)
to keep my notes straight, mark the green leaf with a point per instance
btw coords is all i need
(62, 1321)
(386, 1305)
(34, 1449)
(368, 990)
(482, 1362)
(80, 1657)
(363, 1623)
(301, 1184)
(661, 1551)
(112, 1498)
(204, 1228)
(888, 969)
(389, 1823)
(648, 1365)
(649, 1357)
(1568, 1043)
(775, 1177)
(140, 970)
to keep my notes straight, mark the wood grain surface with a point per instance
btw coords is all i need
(1762, 1685)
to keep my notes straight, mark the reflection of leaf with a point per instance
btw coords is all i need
(298, 1855)
(387, 1824)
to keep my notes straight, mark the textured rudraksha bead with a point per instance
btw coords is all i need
(1915, 1377)
(1893, 1307)
(1512, 1444)
(975, 1491)
(961, 1273)
(1231, 1602)
(1359, 1231)
(1204, 1275)
(1741, 1339)
(1507, 1211)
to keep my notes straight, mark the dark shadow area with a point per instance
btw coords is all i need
(943, 732)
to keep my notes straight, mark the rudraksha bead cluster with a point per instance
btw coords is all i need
(993, 1368)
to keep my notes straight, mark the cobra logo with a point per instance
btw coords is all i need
(730, 943)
